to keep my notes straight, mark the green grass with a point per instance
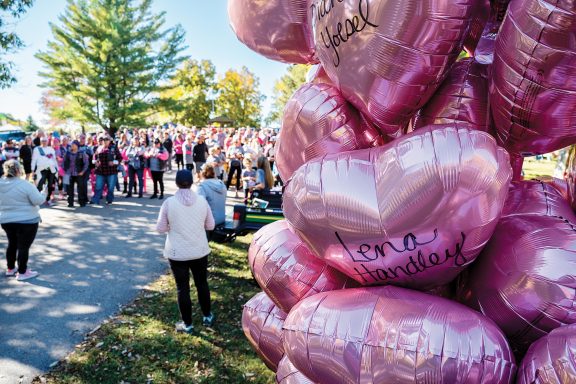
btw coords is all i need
(140, 344)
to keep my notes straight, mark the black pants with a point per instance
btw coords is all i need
(158, 179)
(234, 168)
(47, 177)
(180, 160)
(83, 188)
(181, 271)
(20, 239)
(79, 181)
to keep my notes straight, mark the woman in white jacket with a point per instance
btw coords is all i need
(45, 165)
(185, 217)
(20, 217)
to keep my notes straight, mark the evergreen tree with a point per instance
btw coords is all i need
(187, 101)
(9, 41)
(239, 97)
(284, 88)
(111, 59)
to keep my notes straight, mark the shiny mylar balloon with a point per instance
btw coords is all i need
(278, 29)
(571, 176)
(389, 56)
(484, 51)
(479, 20)
(262, 323)
(317, 121)
(394, 335)
(525, 278)
(414, 212)
(551, 359)
(288, 374)
(287, 270)
(462, 98)
(533, 82)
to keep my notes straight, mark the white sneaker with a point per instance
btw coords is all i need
(11, 272)
(29, 274)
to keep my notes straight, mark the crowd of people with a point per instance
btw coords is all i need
(88, 168)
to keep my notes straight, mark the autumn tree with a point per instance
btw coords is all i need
(110, 59)
(284, 88)
(9, 41)
(239, 97)
(187, 101)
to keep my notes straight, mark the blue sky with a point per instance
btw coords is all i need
(208, 35)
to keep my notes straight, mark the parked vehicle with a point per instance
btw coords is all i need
(250, 218)
(11, 132)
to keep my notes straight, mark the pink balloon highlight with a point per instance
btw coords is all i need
(288, 374)
(318, 121)
(533, 83)
(388, 57)
(394, 335)
(551, 359)
(287, 270)
(525, 278)
(462, 99)
(262, 323)
(415, 212)
(277, 29)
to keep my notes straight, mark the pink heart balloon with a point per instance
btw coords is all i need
(479, 19)
(278, 29)
(551, 359)
(484, 52)
(262, 323)
(287, 270)
(462, 99)
(533, 85)
(288, 374)
(317, 121)
(525, 279)
(388, 56)
(414, 212)
(394, 335)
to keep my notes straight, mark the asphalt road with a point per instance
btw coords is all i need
(91, 261)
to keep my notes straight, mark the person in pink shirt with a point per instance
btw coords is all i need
(178, 143)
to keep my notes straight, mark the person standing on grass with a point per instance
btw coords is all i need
(185, 218)
(19, 217)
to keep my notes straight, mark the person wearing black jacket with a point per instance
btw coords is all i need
(76, 165)
(26, 157)
(169, 147)
(199, 155)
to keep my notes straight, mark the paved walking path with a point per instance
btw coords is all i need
(91, 260)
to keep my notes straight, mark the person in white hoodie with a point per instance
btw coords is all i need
(185, 217)
(45, 165)
(19, 218)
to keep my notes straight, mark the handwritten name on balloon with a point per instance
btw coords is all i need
(418, 262)
(341, 32)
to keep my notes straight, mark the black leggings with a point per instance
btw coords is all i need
(181, 271)
(158, 178)
(46, 177)
(180, 160)
(20, 239)
(234, 168)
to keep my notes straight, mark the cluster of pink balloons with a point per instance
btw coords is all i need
(408, 254)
